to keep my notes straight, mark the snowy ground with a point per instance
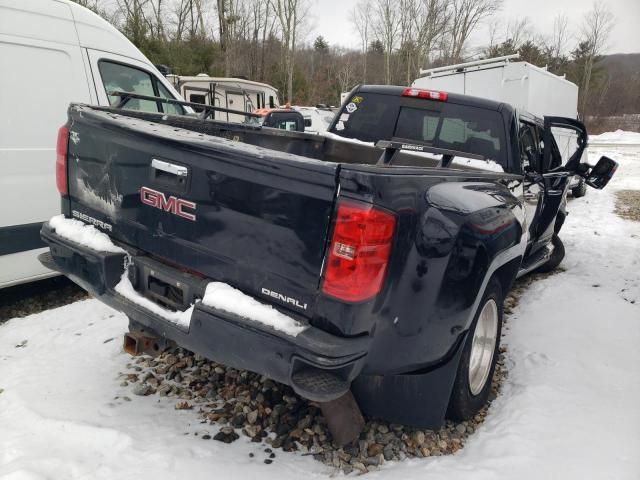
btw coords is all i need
(569, 408)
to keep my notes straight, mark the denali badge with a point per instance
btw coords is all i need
(283, 298)
(174, 205)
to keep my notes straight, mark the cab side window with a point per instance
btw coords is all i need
(529, 148)
(125, 78)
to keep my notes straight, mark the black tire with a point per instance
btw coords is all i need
(556, 256)
(580, 190)
(463, 404)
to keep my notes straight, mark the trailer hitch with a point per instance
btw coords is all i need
(144, 343)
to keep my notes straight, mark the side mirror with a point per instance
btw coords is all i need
(602, 173)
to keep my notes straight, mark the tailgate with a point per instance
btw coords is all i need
(244, 215)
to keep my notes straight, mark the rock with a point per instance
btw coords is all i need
(124, 384)
(363, 445)
(183, 406)
(141, 389)
(238, 421)
(388, 452)
(226, 435)
(206, 437)
(418, 438)
(360, 467)
(164, 389)
(461, 428)
(251, 431)
(375, 449)
(305, 422)
(383, 428)
(268, 461)
(252, 417)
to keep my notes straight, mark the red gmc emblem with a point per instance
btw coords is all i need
(174, 205)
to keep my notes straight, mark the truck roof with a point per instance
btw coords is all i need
(451, 97)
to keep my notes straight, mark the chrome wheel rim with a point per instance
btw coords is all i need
(483, 346)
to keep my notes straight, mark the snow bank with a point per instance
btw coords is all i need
(225, 297)
(617, 137)
(83, 234)
(125, 288)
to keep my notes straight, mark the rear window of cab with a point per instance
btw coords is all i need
(370, 117)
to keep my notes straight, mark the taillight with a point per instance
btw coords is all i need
(426, 94)
(61, 159)
(359, 251)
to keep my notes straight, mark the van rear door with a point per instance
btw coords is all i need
(41, 72)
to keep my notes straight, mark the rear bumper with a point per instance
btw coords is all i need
(317, 365)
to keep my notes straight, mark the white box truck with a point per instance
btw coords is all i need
(528, 88)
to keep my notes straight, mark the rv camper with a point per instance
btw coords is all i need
(229, 93)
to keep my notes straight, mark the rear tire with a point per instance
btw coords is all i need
(580, 190)
(556, 256)
(479, 357)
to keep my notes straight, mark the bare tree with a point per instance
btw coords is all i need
(560, 34)
(386, 25)
(431, 22)
(361, 19)
(465, 16)
(595, 30)
(136, 24)
(519, 31)
(290, 14)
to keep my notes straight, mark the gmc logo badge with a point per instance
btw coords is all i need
(173, 205)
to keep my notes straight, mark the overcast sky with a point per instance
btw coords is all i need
(331, 19)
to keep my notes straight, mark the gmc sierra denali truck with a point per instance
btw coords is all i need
(373, 260)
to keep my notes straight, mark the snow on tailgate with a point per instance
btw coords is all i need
(83, 234)
(225, 297)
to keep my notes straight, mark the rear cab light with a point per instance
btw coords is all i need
(359, 251)
(425, 94)
(62, 147)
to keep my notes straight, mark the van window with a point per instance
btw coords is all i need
(125, 78)
(170, 108)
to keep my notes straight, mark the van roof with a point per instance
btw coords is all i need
(96, 33)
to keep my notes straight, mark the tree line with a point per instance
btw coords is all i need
(269, 41)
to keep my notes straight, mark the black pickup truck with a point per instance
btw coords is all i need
(372, 260)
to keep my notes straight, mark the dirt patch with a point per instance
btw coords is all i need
(628, 204)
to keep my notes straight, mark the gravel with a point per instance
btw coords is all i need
(628, 204)
(234, 403)
(34, 297)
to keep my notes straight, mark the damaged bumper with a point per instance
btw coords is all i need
(317, 365)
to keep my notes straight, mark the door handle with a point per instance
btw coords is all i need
(171, 168)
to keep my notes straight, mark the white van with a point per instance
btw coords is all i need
(232, 93)
(53, 52)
